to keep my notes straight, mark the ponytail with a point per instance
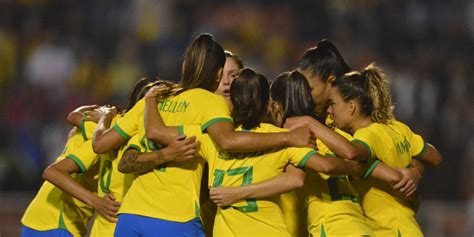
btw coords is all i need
(379, 93)
(370, 88)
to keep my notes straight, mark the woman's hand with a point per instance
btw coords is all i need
(107, 207)
(226, 196)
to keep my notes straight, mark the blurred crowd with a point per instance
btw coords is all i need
(57, 55)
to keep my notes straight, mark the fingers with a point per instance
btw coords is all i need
(409, 185)
(110, 218)
(400, 184)
(110, 196)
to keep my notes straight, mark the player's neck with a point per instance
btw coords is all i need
(361, 122)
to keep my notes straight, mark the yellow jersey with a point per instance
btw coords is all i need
(250, 217)
(171, 191)
(333, 204)
(393, 144)
(52, 208)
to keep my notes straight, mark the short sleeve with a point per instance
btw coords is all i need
(217, 112)
(87, 129)
(299, 156)
(364, 137)
(134, 143)
(127, 126)
(417, 146)
(83, 156)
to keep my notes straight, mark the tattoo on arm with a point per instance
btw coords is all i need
(130, 163)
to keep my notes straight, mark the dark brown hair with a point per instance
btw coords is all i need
(249, 96)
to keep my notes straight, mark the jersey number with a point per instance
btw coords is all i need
(334, 190)
(106, 169)
(247, 173)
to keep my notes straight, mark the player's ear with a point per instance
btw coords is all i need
(352, 107)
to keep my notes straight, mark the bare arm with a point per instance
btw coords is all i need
(431, 156)
(334, 165)
(404, 180)
(223, 133)
(105, 138)
(59, 174)
(334, 141)
(179, 149)
(231, 141)
(75, 117)
(293, 178)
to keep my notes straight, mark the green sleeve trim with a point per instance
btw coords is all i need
(418, 157)
(206, 125)
(133, 146)
(61, 224)
(366, 147)
(121, 132)
(78, 162)
(371, 169)
(305, 159)
(180, 130)
(83, 127)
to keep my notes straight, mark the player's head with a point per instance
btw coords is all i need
(249, 95)
(232, 67)
(360, 94)
(137, 93)
(203, 63)
(321, 65)
(290, 96)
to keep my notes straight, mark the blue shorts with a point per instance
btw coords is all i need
(129, 225)
(28, 232)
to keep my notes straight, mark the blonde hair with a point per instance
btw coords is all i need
(371, 89)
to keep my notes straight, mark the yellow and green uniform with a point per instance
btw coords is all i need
(52, 208)
(111, 181)
(250, 217)
(393, 144)
(293, 207)
(333, 203)
(171, 191)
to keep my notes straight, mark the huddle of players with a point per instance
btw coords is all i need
(345, 167)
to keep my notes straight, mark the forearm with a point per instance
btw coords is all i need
(334, 141)
(99, 141)
(386, 174)
(135, 162)
(232, 141)
(75, 118)
(334, 165)
(272, 187)
(418, 169)
(155, 128)
(431, 156)
(63, 181)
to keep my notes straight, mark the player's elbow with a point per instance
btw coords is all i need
(432, 156)
(437, 161)
(48, 173)
(225, 145)
(153, 134)
(98, 147)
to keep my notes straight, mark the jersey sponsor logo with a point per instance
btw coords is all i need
(403, 147)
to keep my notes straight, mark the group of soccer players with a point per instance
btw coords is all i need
(224, 153)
